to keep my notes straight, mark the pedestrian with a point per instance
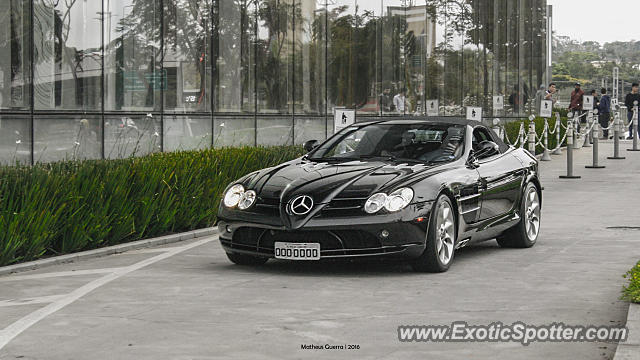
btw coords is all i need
(594, 93)
(550, 92)
(540, 95)
(604, 112)
(632, 97)
(517, 99)
(575, 106)
(385, 100)
(400, 101)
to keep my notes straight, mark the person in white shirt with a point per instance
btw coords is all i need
(399, 101)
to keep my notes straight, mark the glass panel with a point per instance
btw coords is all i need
(126, 136)
(453, 61)
(187, 132)
(309, 129)
(67, 55)
(234, 37)
(435, 54)
(133, 76)
(14, 54)
(234, 131)
(310, 57)
(67, 138)
(274, 131)
(341, 65)
(275, 55)
(187, 40)
(15, 140)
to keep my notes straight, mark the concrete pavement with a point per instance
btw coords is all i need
(186, 301)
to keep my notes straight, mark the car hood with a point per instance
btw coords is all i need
(324, 181)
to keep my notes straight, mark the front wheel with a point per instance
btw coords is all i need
(441, 239)
(525, 234)
(242, 259)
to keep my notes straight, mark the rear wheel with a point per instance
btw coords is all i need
(242, 259)
(441, 239)
(525, 234)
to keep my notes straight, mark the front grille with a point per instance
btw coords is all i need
(340, 242)
(344, 207)
(267, 206)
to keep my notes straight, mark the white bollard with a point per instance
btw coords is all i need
(558, 150)
(545, 154)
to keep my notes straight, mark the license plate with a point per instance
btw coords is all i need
(297, 251)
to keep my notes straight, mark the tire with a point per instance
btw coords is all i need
(525, 233)
(441, 239)
(246, 260)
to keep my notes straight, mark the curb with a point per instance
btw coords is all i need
(630, 349)
(110, 250)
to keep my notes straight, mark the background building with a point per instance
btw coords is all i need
(112, 78)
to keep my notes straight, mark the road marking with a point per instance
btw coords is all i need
(15, 329)
(30, 301)
(58, 274)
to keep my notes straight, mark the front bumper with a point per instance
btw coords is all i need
(352, 237)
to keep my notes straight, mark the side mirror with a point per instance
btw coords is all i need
(487, 149)
(310, 145)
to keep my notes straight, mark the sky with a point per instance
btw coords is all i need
(599, 20)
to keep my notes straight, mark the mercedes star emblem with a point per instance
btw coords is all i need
(301, 205)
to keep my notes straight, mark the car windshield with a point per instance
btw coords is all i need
(426, 142)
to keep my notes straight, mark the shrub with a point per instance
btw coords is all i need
(631, 292)
(511, 131)
(72, 206)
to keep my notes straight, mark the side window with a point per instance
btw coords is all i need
(479, 135)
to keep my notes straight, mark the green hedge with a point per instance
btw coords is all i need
(512, 128)
(631, 292)
(72, 206)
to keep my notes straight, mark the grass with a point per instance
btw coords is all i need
(70, 206)
(631, 291)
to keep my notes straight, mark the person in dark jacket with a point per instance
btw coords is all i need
(632, 97)
(604, 111)
(594, 93)
(576, 103)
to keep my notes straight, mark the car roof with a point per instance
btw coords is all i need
(420, 120)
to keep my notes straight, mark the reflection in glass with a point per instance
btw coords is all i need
(60, 138)
(234, 35)
(15, 140)
(133, 72)
(187, 29)
(234, 131)
(310, 52)
(186, 132)
(14, 54)
(273, 131)
(67, 55)
(275, 54)
(126, 136)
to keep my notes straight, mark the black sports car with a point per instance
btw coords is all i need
(418, 189)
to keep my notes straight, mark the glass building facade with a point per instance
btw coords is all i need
(86, 79)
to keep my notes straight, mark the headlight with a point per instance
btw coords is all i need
(375, 202)
(399, 199)
(233, 195)
(396, 201)
(247, 199)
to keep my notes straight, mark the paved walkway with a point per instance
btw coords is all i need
(186, 301)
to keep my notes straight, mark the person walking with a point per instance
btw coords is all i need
(632, 97)
(575, 106)
(400, 101)
(604, 112)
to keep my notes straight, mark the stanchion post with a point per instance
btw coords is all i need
(596, 136)
(634, 128)
(587, 135)
(532, 135)
(558, 149)
(545, 153)
(616, 138)
(570, 141)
